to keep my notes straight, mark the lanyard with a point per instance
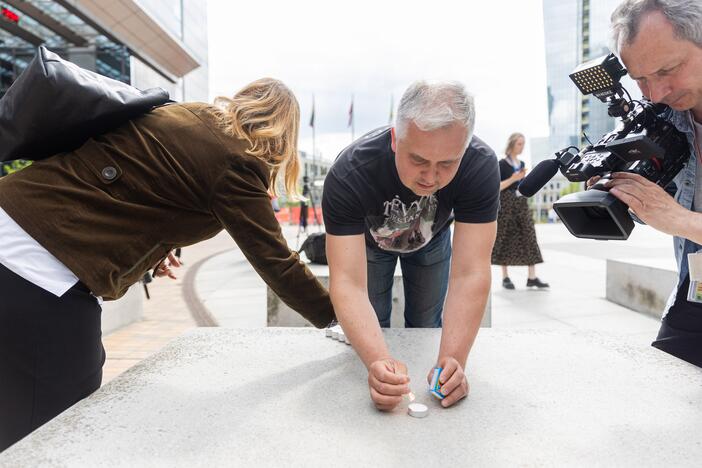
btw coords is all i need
(516, 167)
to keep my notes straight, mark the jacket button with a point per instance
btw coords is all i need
(109, 172)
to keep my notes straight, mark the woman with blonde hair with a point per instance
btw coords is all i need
(87, 224)
(515, 243)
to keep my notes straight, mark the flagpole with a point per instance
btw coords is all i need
(392, 110)
(313, 123)
(353, 120)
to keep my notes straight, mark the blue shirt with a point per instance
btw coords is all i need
(685, 181)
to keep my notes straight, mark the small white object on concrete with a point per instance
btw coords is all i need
(335, 331)
(341, 336)
(417, 410)
(328, 332)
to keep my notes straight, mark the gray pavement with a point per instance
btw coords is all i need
(235, 296)
(216, 286)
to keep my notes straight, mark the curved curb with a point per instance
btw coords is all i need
(198, 311)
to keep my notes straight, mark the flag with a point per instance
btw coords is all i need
(350, 114)
(312, 116)
(392, 110)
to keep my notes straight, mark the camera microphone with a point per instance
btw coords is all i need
(538, 177)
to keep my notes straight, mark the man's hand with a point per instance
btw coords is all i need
(592, 181)
(454, 384)
(649, 202)
(165, 268)
(388, 381)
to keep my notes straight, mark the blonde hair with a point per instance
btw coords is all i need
(512, 140)
(266, 114)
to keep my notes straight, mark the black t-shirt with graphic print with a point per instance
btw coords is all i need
(363, 194)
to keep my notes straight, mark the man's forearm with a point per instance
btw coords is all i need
(360, 324)
(465, 304)
(688, 226)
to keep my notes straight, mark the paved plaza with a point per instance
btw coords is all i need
(217, 286)
(563, 376)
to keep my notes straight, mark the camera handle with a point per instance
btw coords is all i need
(600, 184)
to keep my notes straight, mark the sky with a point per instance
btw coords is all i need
(372, 50)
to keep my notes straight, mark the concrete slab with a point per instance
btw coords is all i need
(285, 396)
(128, 309)
(280, 315)
(641, 284)
(576, 269)
(534, 324)
(620, 321)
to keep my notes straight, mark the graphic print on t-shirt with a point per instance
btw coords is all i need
(402, 228)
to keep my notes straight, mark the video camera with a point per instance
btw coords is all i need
(642, 142)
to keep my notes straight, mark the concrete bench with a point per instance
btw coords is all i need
(642, 285)
(125, 310)
(276, 397)
(280, 315)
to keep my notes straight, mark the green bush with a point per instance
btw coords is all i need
(572, 188)
(13, 166)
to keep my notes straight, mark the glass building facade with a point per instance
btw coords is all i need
(186, 20)
(575, 31)
(50, 24)
(595, 121)
(561, 38)
(103, 36)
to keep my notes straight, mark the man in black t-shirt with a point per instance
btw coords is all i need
(393, 194)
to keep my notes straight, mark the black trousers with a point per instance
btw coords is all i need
(51, 353)
(681, 329)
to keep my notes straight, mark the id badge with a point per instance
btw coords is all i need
(694, 292)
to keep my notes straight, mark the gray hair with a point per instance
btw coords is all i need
(684, 15)
(436, 105)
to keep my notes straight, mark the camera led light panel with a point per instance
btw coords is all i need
(592, 79)
(597, 75)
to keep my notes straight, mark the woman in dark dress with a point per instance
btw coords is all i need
(516, 239)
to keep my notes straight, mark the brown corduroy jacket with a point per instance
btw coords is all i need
(112, 209)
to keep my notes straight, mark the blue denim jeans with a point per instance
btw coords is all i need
(424, 276)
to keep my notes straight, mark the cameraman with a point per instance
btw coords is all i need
(660, 43)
